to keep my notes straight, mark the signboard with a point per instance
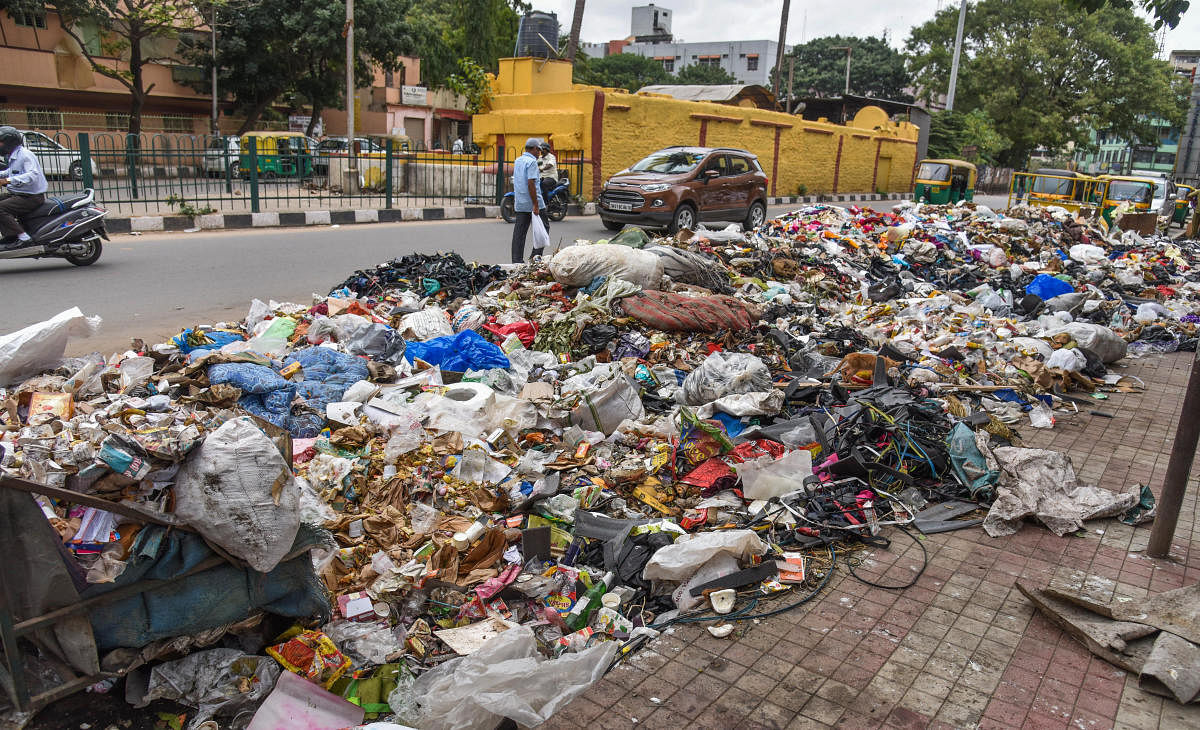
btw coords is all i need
(299, 123)
(414, 95)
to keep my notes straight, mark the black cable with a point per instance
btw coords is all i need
(911, 583)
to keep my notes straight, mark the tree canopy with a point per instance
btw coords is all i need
(1044, 76)
(705, 75)
(876, 69)
(627, 71)
(1164, 12)
(954, 133)
(483, 31)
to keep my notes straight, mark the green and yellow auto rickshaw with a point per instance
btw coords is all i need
(1183, 204)
(944, 181)
(1048, 187)
(1136, 193)
(280, 154)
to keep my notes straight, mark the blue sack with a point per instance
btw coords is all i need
(1048, 287)
(459, 353)
(969, 463)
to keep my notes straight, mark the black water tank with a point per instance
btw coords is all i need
(538, 36)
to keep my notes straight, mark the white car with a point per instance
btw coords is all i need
(57, 160)
(222, 152)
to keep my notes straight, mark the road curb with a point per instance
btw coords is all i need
(274, 219)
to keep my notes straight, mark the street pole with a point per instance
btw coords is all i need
(783, 21)
(846, 93)
(216, 129)
(351, 183)
(962, 16)
(1183, 451)
(791, 77)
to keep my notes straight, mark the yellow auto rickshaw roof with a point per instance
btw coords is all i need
(952, 163)
(1129, 178)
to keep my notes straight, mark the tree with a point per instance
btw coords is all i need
(876, 69)
(1044, 76)
(473, 83)
(627, 71)
(1164, 12)
(706, 75)
(482, 30)
(952, 132)
(139, 32)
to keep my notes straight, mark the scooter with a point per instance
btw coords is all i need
(556, 202)
(68, 228)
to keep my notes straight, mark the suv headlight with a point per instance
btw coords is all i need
(655, 187)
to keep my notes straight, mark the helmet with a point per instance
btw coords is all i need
(10, 139)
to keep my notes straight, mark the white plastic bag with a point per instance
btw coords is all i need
(725, 373)
(215, 680)
(1106, 344)
(767, 477)
(239, 492)
(679, 561)
(40, 346)
(607, 396)
(541, 237)
(1087, 253)
(578, 265)
(506, 677)
(1068, 359)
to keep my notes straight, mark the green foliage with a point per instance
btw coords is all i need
(1164, 12)
(704, 75)
(621, 71)
(1045, 76)
(950, 132)
(483, 31)
(186, 208)
(472, 83)
(876, 69)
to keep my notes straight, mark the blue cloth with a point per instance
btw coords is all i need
(219, 340)
(524, 170)
(1048, 287)
(465, 351)
(24, 173)
(268, 395)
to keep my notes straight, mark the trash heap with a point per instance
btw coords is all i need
(447, 493)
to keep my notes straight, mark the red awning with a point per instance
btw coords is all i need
(451, 114)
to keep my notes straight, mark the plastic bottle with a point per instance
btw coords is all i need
(582, 611)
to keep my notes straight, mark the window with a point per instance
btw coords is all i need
(720, 163)
(43, 117)
(711, 61)
(1164, 158)
(1143, 156)
(185, 75)
(668, 65)
(34, 19)
(751, 63)
(738, 165)
(116, 121)
(182, 125)
(388, 79)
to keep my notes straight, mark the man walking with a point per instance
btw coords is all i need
(26, 188)
(527, 198)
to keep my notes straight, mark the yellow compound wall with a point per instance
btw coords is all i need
(611, 129)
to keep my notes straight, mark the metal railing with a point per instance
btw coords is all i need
(193, 174)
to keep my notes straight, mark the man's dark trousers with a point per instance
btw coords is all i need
(12, 207)
(521, 231)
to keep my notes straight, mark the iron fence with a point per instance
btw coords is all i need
(198, 174)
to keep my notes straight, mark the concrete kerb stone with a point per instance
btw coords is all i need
(316, 218)
(145, 223)
(264, 220)
(210, 222)
(366, 216)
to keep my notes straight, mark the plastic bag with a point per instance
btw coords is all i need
(725, 373)
(365, 643)
(312, 655)
(1149, 312)
(679, 561)
(968, 462)
(40, 346)
(1087, 253)
(1048, 287)
(1106, 344)
(606, 397)
(422, 518)
(212, 681)
(465, 351)
(578, 265)
(506, 677)
(427, 324)
(1068, 359)
(541, 237)
(239, 492)
(767, 477)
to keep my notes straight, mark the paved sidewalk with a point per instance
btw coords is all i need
(962, 648)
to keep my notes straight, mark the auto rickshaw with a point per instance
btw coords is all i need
(1115, 190)
(1183, 204)
(1049, 187)
(280, 154)
(944, 181)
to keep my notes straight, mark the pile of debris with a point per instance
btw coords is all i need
(448, 493)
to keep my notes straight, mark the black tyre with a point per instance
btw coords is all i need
(556, 208)
(93, 254)
(76, 170)
(235, 170)
(612, 225)
(756, 216)
(685, 217)
(508, 210)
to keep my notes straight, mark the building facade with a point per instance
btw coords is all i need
(1187, 165)
(1119, 156)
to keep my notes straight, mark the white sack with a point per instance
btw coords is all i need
(679, 561)
(1106, 344)
(726, 373)
(578, 265)
(39, 347)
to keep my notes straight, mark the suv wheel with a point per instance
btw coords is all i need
(756, 216)
(612, 225)
(685, 217)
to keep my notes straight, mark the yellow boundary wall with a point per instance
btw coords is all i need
(612, 129)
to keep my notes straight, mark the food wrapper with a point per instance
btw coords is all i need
(312, 655)
(58, 405)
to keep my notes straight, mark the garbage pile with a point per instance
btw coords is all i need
(448, 493)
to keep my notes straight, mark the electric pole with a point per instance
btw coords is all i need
(351, 183)
(783, 21)
(962, 16)
(576, 23)
(216, 129)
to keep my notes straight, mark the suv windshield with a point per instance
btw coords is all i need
(669, 162)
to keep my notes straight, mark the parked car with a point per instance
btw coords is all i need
(221, 154)
(57, 160)
(336, 147)
(679, 187)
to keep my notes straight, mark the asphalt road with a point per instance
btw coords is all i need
(153, 286)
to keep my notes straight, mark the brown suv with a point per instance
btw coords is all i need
(679, 187)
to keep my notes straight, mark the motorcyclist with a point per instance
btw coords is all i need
(26, 189)
(547, 171)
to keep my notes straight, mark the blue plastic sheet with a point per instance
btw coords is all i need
(219, 339)
(462, 352)
(1048, 287)
(969, 463)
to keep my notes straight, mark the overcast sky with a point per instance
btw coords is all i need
(729, 20)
